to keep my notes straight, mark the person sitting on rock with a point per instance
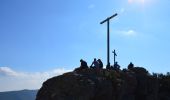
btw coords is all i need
(130, 66)
(109, 67)
(95, 64)
(83, 64)
(100, 63)
(116, 66)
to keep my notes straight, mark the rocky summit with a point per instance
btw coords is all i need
(103, 84)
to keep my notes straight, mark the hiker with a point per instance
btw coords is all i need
(83, 64)
(100, 63)
(131, 65)
(116, 66)
(94, 64)
(109, 67)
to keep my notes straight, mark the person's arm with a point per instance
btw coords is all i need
(91, 64)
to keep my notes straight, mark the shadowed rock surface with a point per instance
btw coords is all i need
(102, 84)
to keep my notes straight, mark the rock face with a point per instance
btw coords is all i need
(103, 84)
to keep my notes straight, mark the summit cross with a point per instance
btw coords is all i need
(108, 37)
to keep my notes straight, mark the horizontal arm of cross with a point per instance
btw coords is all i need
(108, 18)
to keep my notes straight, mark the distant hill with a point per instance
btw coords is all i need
(18, 95)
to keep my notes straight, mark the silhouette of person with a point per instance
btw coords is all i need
(100, 63)
(116, 66)
(83, 64)
(95, 63)
(109, 67)
(131, 65)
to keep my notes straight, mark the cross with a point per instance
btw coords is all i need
(114, 52)
(108, 37)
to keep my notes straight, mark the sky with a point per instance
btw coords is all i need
(40, 39)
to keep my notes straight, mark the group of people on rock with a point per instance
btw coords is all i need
(116, 66)
(98, 64)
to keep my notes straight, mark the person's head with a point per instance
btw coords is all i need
(94, 59)
(99, 60)
(81, 60)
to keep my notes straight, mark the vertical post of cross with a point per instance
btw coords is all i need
(108, 44)
(108, 37)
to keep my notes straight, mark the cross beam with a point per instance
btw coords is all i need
(108, 37)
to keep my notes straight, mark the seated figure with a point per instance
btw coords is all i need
(83, 64)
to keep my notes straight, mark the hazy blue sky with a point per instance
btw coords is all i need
(48, 37)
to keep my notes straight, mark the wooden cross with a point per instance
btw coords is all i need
(108, 37)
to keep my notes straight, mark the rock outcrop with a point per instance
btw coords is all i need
(102, 84)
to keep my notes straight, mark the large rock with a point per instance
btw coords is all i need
(103, 84)
(76, 86)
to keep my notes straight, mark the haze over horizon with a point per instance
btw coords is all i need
(40, 39)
